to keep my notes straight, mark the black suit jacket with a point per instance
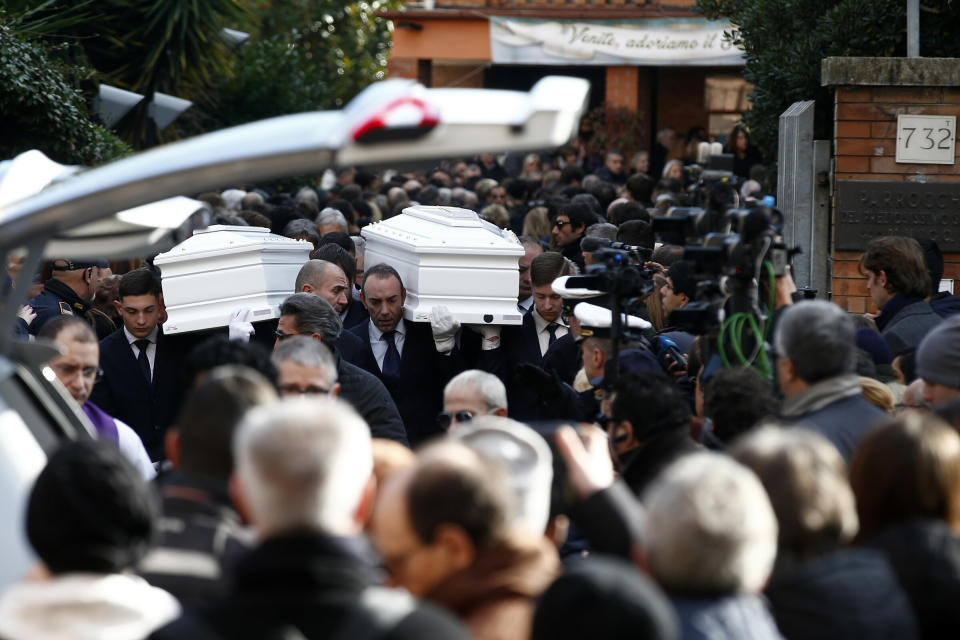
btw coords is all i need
(356, 314)
(519, 344)
(123, 392)
(424, 373)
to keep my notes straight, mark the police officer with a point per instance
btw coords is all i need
(70, 291)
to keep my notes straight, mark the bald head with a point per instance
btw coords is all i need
(324, 279)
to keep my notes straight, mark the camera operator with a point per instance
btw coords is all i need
(679, 290)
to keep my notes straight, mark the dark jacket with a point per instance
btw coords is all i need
(945, 304)
(851, 593)
(606, 175)
(306, 586)
(201, 539)
(725, 618)
(843, 422)
(903, 322)
(519, 344)
(642, 465)
(418, 393)
(123, 391)
(371, 399)
(356, 314)
(58, 299)
(925, 555)
(353, 350)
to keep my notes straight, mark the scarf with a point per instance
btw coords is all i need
(819, 395)
(102, 422)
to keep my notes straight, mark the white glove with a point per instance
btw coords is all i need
(444, 328)
(490, 333)
(240, 327)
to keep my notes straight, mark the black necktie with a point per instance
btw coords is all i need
(142, 359)
(391, 360)
(552, 330)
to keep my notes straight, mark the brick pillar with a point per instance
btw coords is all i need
(402, 68)
(623, 87)
(870, 94)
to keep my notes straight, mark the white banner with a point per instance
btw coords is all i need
(673, 41)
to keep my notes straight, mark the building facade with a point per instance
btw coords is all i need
(657, 57)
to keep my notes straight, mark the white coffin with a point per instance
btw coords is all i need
(223, 268)
(449, 256)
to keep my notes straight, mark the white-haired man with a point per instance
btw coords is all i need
(330, 220)
(470, 394)
(711, 541)
(304, 475)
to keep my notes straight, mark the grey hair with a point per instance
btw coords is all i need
(670, 163)
(302, 227)
(303, 463)
(602, 230)
(307, 352)
(819, 339)
(312, 314)
(710, 527)
(332, 216)
(444, 196)
(806, 480)
(306, 194)
(489, 387)
(359, 244)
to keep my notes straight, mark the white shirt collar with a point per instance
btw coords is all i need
(542, 324)
(132, 338)
(376, 335)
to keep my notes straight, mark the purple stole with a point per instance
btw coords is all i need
(102, 421)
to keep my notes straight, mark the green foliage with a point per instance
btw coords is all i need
(785, 41)
(171, 46)
(620, 128)
(41, 108)
(302, 56)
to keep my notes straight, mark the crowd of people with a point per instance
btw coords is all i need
(344, 472)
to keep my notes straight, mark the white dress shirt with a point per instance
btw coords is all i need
(379, 346)
(542, 330)
(525, 305)
(151, 350)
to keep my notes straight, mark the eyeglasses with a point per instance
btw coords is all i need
(444, 419)
(293, 390)
(560, 224)
(68, 371)
(281, 336)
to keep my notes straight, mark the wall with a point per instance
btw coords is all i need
(870, 93)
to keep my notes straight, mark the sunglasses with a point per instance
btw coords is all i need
(444, 419)
(560, 224)
(281, 336)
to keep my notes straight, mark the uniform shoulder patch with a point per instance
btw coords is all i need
(65, 309)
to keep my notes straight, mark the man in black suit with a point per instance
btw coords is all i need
(142, 382)
(415, 360)
(543, 341)
(330, 282)
(304, 314)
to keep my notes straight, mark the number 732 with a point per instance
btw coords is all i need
(926, 133)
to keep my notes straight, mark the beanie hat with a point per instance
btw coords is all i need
(90, 510)
(938, 356)
(682, 274)
(874, 344)
(604, 598)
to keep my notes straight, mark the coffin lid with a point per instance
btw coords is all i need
(443, 230)
(223, 239)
